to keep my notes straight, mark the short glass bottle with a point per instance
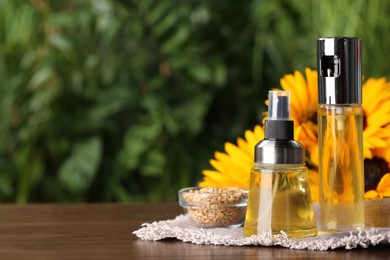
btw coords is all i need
(279, 200)
(279, 193)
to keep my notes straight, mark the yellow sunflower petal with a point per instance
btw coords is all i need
(384, 185)
(384, 133)
(250, 136)
(372, 195)
(375, 142)
(386, 193)
(300, 83)
(212, 178)
(308, 135)
(367, 154)
(315, 156)
(379, 119)
(245, 147)
(383, 153)
(314, 181)
(370, 97)
(233, 167)
(258, 133)
(372, 131)
(216, 165)
(236, 153)
(312, 80)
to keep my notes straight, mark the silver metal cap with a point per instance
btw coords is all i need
(339, 70)
(279, 152)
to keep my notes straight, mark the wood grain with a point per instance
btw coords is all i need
(104, 231)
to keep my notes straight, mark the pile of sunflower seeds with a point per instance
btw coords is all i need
(216, 207)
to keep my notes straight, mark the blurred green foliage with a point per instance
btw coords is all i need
(127, 100)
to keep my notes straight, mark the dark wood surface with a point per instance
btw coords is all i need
(104, 231)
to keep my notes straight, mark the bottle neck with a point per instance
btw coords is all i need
(279, 152)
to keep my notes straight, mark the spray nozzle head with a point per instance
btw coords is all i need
(278, 146)
(279, 105)
(279, 126)
(339, 63)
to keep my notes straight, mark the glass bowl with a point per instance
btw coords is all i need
(215, 206)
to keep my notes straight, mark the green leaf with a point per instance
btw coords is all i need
(162, 18)
(138, 140)
(60, 42)
(153, 164)
(40, 77)
(178, 38)
(200, 72)
(30, 170)
(220, 75)
(191, 114)
(77, 172)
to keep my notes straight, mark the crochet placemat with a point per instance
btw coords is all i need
(184, 228)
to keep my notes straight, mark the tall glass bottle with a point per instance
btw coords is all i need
(340, 126)
(279, 194)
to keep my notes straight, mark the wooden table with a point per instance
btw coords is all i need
(104, 231)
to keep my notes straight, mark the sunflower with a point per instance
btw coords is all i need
(376, 114)
(233, 167)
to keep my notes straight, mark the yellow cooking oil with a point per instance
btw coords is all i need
(341, 167)
(280, 200)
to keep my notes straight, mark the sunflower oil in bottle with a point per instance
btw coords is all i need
(280, 201)
(340, 127)
(279, 193)
(341, 168)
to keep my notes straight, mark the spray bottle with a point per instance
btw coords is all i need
(340, 123)
(279, 194)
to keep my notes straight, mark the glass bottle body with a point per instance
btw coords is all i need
(279, 200)
(341, 167)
